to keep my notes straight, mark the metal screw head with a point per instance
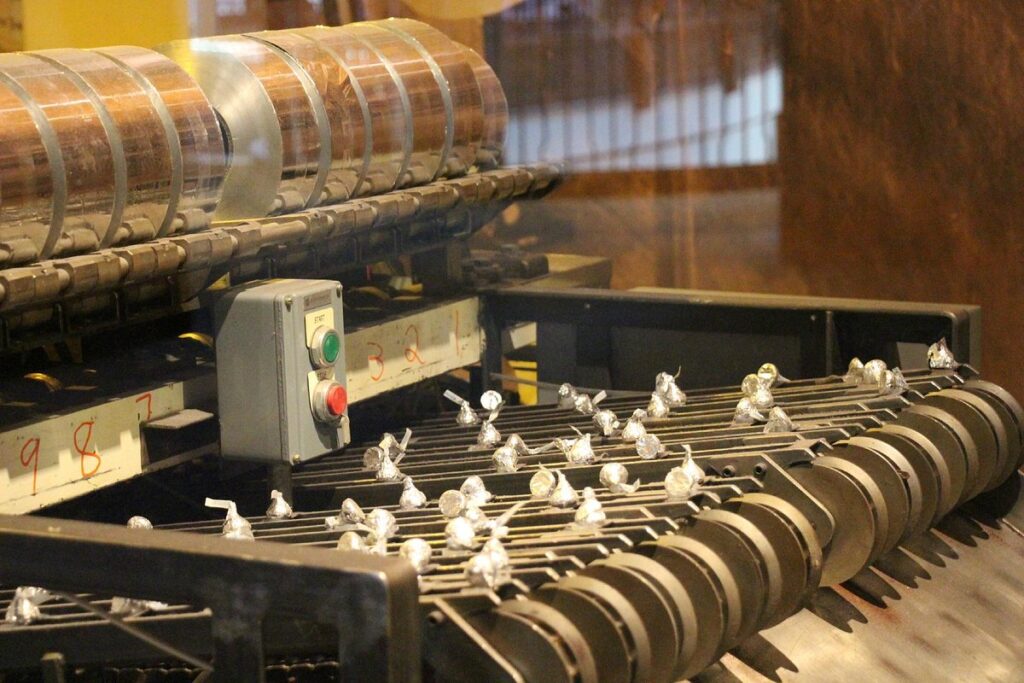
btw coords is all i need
(288, 301)
(296, 458)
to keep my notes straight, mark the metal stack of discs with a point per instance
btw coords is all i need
(100, 148)
(93, 152)
(318, 115)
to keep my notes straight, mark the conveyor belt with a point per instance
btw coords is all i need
(667, 585)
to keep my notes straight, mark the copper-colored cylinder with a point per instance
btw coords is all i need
(463, 99)
(390, 132)
(348, 117)
(273, 120)
(422, 96)
(80, 153)
(191, 126)
(27, 193)
(143, 164)
(495, 111)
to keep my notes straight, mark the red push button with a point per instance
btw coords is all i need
(337, 400)
(329, 401)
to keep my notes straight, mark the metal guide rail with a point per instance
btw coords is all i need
(64, 293)
(636, 581)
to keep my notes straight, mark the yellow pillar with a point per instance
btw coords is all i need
(95, 23)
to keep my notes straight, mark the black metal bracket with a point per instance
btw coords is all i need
(372, 601)
(614, 339)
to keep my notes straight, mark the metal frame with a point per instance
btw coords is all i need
(373, 601)
(603, 338)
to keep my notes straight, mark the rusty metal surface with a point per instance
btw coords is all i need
(947, 606)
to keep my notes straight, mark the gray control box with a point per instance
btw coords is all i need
(281, 389)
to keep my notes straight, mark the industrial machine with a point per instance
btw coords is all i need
(234, 273)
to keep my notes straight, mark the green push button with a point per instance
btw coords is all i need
(324, 347)
(331, 346)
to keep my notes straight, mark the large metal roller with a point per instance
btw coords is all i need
(191, 126)
(118, 145)
(144, 167)
(348, 116)
(274, 121)
(463, 100)
(78, 179)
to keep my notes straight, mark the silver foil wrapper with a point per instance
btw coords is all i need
(412, 498)
(279, 507)
(615, 477)
(563, 495)
(475, 490)
(940, 357)
(235, 526)
(542, 483)
(418, 552)
(649, 447)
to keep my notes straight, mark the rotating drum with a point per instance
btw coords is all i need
(196, 144)
(348, 117)
(82, 188)
(495, 111)
(274, 121)
(463, 99)
(389, 135)
(143, 163)
(29, 192)
(423, 95)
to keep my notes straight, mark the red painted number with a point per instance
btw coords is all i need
(377, 358)
(412, 351)
(82, 437)
(148, 398)
(30, 458)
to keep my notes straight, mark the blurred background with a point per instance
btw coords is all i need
(868, 148)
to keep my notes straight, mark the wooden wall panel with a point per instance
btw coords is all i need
(902, 157)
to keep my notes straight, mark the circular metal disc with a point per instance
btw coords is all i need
(631, 626)
(596, 624)
(534, 652)
(1003, 428)
(946, 445)
(230, 74)
(924, 468)
(981, 431)
(196, 139)
(889, 481)
(804, 530)
(721, 573)
(1009, 407)
(872, 493)
(947, 495)
(707, 598)
(672, 590)
(556, 623)
(911, 482)
(730, 546)
(968, 446)
(788, 548)
(653, 610)
(1009, 401)
(849, 551)
(762, 552)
